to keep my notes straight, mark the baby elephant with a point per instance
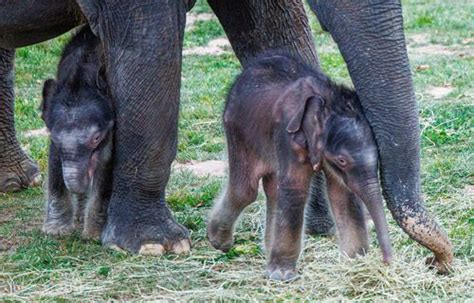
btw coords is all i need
(283, 121)
(79, 115)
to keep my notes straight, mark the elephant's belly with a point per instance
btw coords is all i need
(25, 22)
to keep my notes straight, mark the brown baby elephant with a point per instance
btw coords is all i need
(283, 121)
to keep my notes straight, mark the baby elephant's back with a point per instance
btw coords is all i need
(262, 82)
(82, 57)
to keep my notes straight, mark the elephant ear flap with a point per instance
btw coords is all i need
(49, 88)
(316, 109)
(92, 11)
(295, 122)
(102, 80)
(295, 99)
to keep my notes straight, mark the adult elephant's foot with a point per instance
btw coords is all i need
(150, 231)
(17, 170)
(18, 174)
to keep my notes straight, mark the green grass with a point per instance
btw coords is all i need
(42, 268)
(202, 33)
(202, 102)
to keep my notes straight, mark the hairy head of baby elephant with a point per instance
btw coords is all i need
(79, 116)
(283, 121)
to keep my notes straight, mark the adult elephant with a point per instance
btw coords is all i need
(143, 42)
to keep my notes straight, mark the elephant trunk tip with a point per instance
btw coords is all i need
(385, 247)
(441, 264)
(387, 256)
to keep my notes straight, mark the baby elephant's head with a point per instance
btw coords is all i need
(349, 149)
(80, 120)
(331, 126)
(328, 121)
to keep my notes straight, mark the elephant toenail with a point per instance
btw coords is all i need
(151, 250)
(182, 247)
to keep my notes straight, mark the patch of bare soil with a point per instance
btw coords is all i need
(5, 244)
(212, 168)
(432, 49)
(10, 242)
(192, 18)
(419, 45)
(418, 38)
(439, 92)
(215, 47)
(41, 132)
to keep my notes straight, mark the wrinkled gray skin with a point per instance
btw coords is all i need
(283, 121)
(78, 113)
(142, 44)
(24, 23)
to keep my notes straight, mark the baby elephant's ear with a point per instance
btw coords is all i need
(102, 80)
(296, 97)
(48, 90)
(315, 109)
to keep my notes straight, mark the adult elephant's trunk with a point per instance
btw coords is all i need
(371, 40)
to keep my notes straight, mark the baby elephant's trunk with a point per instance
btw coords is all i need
(372, 198)
(75, 177)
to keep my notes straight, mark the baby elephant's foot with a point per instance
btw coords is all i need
(281, 274)
(91, 233)
(93, 225)
(220, 236)
(57, 228)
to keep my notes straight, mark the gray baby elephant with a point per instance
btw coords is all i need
(283, 121)
(78, 112)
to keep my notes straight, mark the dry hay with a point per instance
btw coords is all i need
(206, 274)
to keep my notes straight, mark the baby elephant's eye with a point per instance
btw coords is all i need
(341, 160)
(96, 139)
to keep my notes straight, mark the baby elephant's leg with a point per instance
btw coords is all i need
(349, 214)
(270, 186)
(240, 192)
(59, 219)
(285, 245)
(95, 213)
(94, 219)
(79, 209)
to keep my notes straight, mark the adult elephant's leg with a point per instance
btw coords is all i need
(23, 23)
(255, 26)
(318, 217)
(142, 41)
(17, 170)
(371, 39)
